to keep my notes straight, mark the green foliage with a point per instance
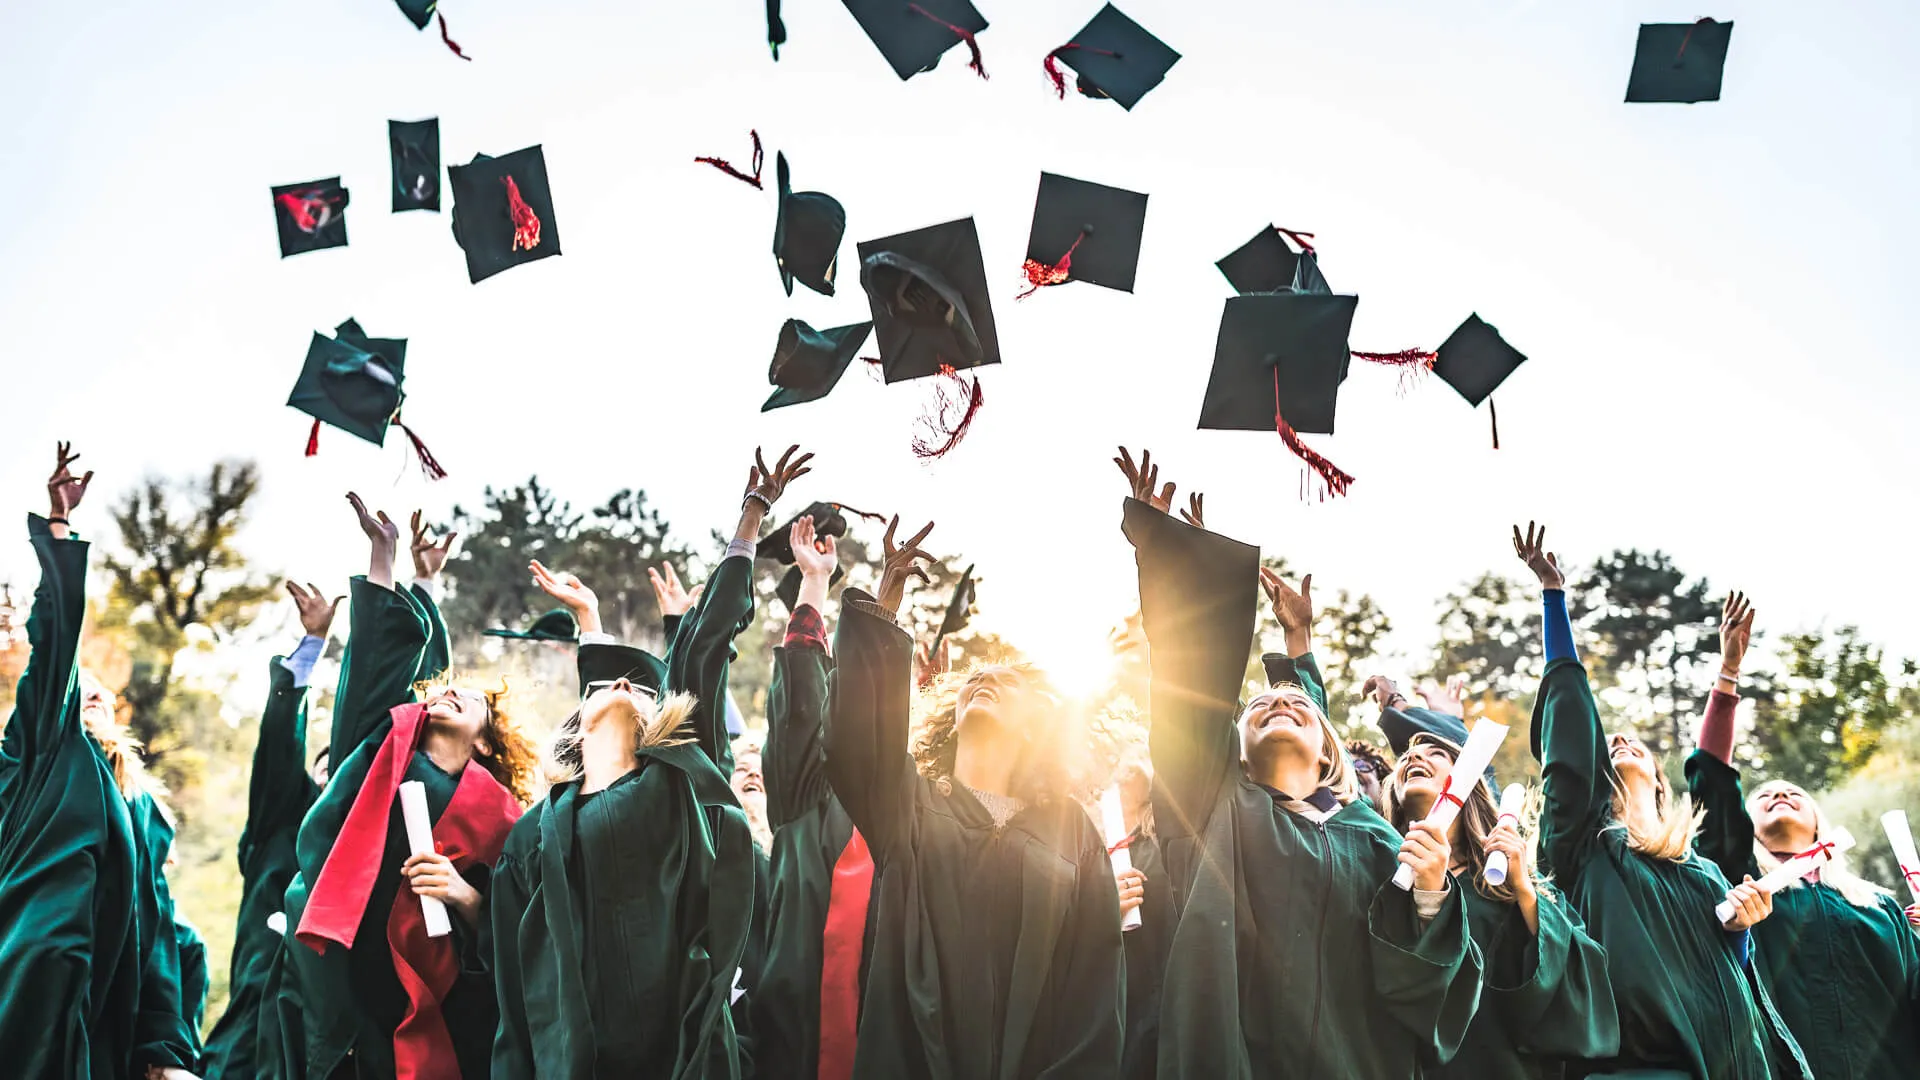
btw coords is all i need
(1824, 717)
(1653, 633)
(1490, 632)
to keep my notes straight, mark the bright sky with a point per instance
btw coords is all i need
(1717, 298)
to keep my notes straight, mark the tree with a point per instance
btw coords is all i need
(1349, 632)
(1490, 632)
(1824, 717)
(1653, 631)
(487, 581)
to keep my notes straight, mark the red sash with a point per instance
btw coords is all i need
(843, 941)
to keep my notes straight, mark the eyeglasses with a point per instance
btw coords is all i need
(1362, 765)
(598, 685)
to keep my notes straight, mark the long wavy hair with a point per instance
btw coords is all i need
(1476, 821)
(1069, 757)
(1676, 822)
(664, 725)
(122, 751)
(1856, 890)
(513, 759)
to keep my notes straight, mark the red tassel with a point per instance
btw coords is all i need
(1297, 237)
(939, 427)
(313, 440)
(759, 156)
(973, 46)
(1039, 274)
(428, 465)
(526, 223)
(861, 514)
(1493, 414)
(304, 207)
(449, 42)
(1677, 57)
(1332, 476)
(1059, 78)
(1412, 363)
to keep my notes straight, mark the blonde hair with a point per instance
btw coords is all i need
(1071, 756)
(663, 726)
(1336, 769)
(122, 751)
(1478, 818)
(1855, 889)
(1676, 822)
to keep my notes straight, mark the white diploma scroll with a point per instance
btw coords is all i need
(1113, 823)
(1511, 801)
(1793, 869)
(1482, 743)
(413, 807)
(1900, 837)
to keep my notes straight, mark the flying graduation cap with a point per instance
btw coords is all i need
(357, 384)
(1268, 264)
(959, 610)
(1084, 231)
(310, 216)
(1679, 62)
(556, 625)
(419, 12)
(1114, 57)
(806, 234)
(829, 519)
(1475, 360)
(503, 211)
(1278, 364)
(776, 30)
(808, 363)
(914, 34)
(415, 149)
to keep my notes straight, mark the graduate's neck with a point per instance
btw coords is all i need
(1416, 805)
(606, 754)
(1295, 774)
(1785, 834)
(988, 759)
(448, 750)
(1643, 805)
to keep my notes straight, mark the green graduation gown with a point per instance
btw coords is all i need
(279, 792)
(1146, 948)
(167, 1032)
(620, 920)
(70, 966)
(341, 1008)
(1687, 1006)
(193, 976)
(1293, 953)
(996, 951)
(1846, 979)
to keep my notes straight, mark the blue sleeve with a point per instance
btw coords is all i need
(1743, 946)
(1559, 626)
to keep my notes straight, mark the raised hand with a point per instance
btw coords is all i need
(1450, 699)
(899, 565)
(1293, 610)
(816, 556)
(1736, 633)
(1751, 904)
(770, 484)
(316, 611)
(672, 597)
(1384, 692)
(1532, 550)
(383, 536)
(429, 556)
(1143, 478)
(572, 594)
(64, 490)
(1193, 515)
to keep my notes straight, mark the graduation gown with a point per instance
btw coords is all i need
(1146, 950)
(167, 1031)
(996, 952)
(1293, 953)
(1687, 1004)
(70, 964)
(1845, 979)
(621, 919)
(806, 1009)
(278, 794)
(350, 1001)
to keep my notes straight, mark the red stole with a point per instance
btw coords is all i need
(842, 943)
(472, 829)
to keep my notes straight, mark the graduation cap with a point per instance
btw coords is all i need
(1267, 264)
(555, 625)
(959, 610)
(503, 211)
(914, 35)
(931, 307)
(415, 148)
(310, 216)
(600, 663)
(1277, 366)
(1084, 231)
(807, 363)
(1679, 62)
(829, 519)
(1114, 57)
(806, 235)
(356, 383)
(418, 12)
(1475, 360)
(776, 30)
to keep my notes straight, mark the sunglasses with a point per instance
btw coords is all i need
(598, 685)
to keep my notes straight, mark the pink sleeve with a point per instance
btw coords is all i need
(1716, 730)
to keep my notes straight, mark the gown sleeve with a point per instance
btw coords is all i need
(437, 658)
(1577, 798)
(1302, 670)
(387, 638)
(42, 717)
(162, 1034)
(869, 702)
(1427, 978)
(794, 758)
(702, 651)
(278, 789)
(1197, 608)
(1551, 990)
(1726, 836)
(507, 903)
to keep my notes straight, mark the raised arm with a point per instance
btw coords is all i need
(279, 788)
(1293, 609)
(870, 701)
(1567, 738)
(1726, 835)
(46, 710)
(387, 638)
(795, 754)
(429, 558)
(1196, 607)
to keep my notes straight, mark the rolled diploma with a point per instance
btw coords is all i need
(1113, 818)
(1482, 743)
(1900, 837)
(413, 807)
(1790, 871)
(1511, 801)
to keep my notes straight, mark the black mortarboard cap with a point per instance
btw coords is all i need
(349, 387)
(914, 34)
(807, 363)
(807, 235)
(604, 663)
(1116, 58)
(555, 625)
(503, 211)
(1475, 360)
(391, 351)
(1090, 232)
(1300, 339)
(959, 609)
(1679, 62)
(415, 148)
(778, 544)
(928, 292)
(418, 12)
(789, 588)
(1267, 264)
(776, 29)
(310, 216)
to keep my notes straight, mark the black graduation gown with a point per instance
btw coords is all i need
(1293, 953)
(70, 966)
(1146, 948)
(621, 919)
(996, 953)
